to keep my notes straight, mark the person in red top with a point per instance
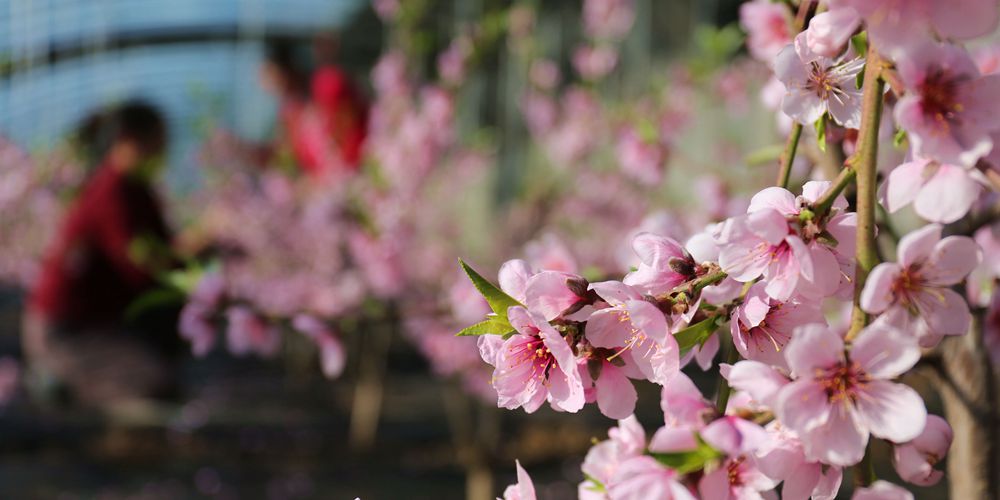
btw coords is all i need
(108, 249)
(342, 106)
(323, 118)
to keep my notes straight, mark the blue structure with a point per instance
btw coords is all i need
(208, 71)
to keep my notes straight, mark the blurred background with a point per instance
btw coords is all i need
(310, 171)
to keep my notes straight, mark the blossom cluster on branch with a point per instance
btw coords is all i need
(822, 323)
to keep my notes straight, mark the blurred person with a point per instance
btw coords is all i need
(322, 118)
(341, 104)
(112, 242)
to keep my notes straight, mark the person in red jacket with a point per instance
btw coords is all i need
(323, 118)
(340, 103)
(110, 244)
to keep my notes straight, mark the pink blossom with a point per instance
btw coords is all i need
(737, 478)
(534, 365)
(544, 74)
(549, 253)
(762, 326)
(816, 85)
(594, 62)
(642, 477)
(915, 460)
(949, 110)
(783, 458)
(768, 26)
(918, 287)
(829, 31)
(882, 490)
(634, 325)
(524, 489)
(792, 258)
(248, 333)
(612, 390)
(837, 400)
(197, 326)
(939, 192)
(641, 159)
(685, 411)
(608, 19)
(762, 382)
(664, 264)
(333, 358)
(895, 24)
(627, 440)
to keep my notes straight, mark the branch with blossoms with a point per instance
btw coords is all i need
(814, 385)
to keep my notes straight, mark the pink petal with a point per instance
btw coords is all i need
(936, 437)
(951, 261)
(673, 440)
(800, 484)
(903, 184)
(715, 484)
(615, 292)
(759, 380)
(802, 405)
(917, 246)
(947, 196)
(755, 306)
(882, 490)
(513, 277)
(944, 310)
(547, 293)
(776, 198)
(649, 320)
(878, 294)
(606, 328)
(840, 441)
(616, 396)
(813, 346)
(525, 487)
(768, 224)
(891, 411)
(964, 18)
(883, 351)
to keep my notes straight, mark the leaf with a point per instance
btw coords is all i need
(899, 139)
(821, 133)
(498, 300)
(595, 486)
(860, 44)
(696, 334)
(154, 299)
(494, 325)
(689, 461)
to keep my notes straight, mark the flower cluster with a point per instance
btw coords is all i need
(822, 323)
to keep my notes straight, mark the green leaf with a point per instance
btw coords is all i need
(595, 486)
(689, 461)
(498, 300)
(154, 299)
(860, 43)
(696, 334)
(899, 139)
(494, 325)
(821, 133)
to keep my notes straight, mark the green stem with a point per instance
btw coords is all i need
(844, 179)
(709, 280)
(788, 156)
(865, 162)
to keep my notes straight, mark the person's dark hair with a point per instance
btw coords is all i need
(284, 54)
(134, 120)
